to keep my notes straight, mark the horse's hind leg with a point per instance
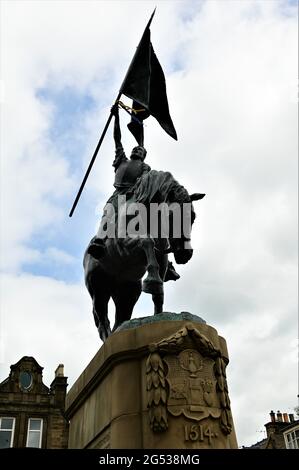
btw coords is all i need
(153, 284)
(100, 312)
(125, 296)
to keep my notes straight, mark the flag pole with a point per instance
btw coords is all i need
(105, 129)
(92, 161)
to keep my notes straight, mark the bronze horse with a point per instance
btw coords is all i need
(118, 271)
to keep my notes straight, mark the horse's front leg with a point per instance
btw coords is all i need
(158, 299)
(153, 284)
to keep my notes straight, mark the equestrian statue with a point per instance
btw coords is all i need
(115, 263)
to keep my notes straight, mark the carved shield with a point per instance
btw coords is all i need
(192, 385)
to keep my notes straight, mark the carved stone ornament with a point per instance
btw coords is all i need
(186, 376)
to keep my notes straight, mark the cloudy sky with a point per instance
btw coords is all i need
(231, 69)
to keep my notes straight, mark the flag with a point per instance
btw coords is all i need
(145, 85)
(139, 113)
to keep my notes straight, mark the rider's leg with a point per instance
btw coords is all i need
(171, 274)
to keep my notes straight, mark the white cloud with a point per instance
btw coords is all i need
(46, 318)
(230, 69)
(59, 256)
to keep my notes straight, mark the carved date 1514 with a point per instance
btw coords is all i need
(198, 432)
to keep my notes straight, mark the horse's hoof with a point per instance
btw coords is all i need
(115, 327)
(152, 287)
(104, 332)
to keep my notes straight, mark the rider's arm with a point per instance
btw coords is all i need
(120, 155)
(116, 133)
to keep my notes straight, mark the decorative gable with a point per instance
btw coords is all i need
(25, 376)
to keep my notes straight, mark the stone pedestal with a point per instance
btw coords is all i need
(158, 383)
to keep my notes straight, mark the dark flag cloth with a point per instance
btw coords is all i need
(145, 85)
(139, 113)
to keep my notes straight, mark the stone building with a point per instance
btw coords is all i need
(282, 432)
(31, 414)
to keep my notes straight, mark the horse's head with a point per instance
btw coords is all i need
(181, 221)
(160, 189)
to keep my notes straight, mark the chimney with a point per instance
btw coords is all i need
(272, 416)
(59, 372)
(285, 417)
(58, 387)
(279, 416)
(291, 416)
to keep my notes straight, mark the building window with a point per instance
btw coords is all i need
(34, 434)
(7, 428)
(292, 439)
(25, 380)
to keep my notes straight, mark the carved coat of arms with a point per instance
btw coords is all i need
(192, 386)
(185, 375)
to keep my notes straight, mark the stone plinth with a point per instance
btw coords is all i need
(158, 383)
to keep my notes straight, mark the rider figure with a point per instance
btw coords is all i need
(126, 174)
(126, 171)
